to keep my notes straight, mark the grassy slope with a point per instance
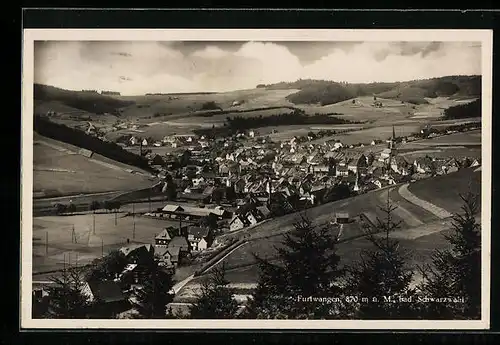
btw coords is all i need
(80, 174)
(443, 191)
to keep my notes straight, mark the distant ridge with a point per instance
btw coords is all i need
(87, 100)
(326, 92)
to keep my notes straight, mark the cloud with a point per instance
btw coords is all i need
(139, 67)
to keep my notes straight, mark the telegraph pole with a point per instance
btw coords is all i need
(133, 219)
(102, 247)
(47, 243)
(115, 217)
(93, 222)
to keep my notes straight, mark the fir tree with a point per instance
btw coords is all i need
(216, 300)
(156, 292)
(107, 267)
(382, 275)
(307, 267)
(65, 298)
(456, 272)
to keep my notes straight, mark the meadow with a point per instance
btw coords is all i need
(108, 236)
(444, 190)
(61, 171)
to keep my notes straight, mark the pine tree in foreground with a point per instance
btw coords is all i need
(303, 278)
(65, 297)
(456, 272)
(216, 300)
(382, 275)
(156, 292)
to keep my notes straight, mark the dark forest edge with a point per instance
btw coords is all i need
(463, 111)
(236, 124)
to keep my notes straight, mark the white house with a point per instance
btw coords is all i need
(237, 223)
(144, 142)
(251, 219)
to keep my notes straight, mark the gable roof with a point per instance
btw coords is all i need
(164, 235)
(135, 248)
(198, 232)
(178, 241)
(106, 291)
(173, 208)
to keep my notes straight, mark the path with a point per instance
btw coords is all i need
(400, 211)
(436, 210)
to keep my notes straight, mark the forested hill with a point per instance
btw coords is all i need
(89, 101)
(325, 92)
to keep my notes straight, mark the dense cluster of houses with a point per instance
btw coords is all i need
(244, 177)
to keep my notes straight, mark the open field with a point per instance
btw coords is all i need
(443, 191)
(88, 246)
(58, 170)
(184, 103)
(442, 152)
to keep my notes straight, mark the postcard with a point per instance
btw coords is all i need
(256, 179)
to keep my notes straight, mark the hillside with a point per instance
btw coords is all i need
(325, 92)
(91, 102)
(80, 139)
(61, 169)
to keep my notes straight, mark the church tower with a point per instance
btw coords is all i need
(356, 184)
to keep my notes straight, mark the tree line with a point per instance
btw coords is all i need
(462, 111)
(78, 138)
(297, 117)
(307, 279)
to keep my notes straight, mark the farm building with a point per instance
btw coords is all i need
(342, 217)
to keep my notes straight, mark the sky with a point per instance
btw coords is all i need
(138, 67)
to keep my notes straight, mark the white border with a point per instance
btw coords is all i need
(31, 35)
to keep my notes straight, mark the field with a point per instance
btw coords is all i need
(59, 170)
(187, 103)
(108, 236)
(444, 190)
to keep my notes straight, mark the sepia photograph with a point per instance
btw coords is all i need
(321, 179)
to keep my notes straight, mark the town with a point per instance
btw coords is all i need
(215, 188)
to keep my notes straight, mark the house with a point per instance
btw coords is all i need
(424, 165)
(164, 256)
(264, 211)
(138, 253)
(451, 166)
(380, 183)
(385, 155)
(358, 164)
(342, 217)
(400, 165)
(199, 238)
(144, 142)
(109, 294)
(172, 211)
(163, 238)
(180, 242)
(252, 218)
(342, 171)
(103, 291)
(237, 222)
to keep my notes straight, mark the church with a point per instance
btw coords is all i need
(390, 151)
